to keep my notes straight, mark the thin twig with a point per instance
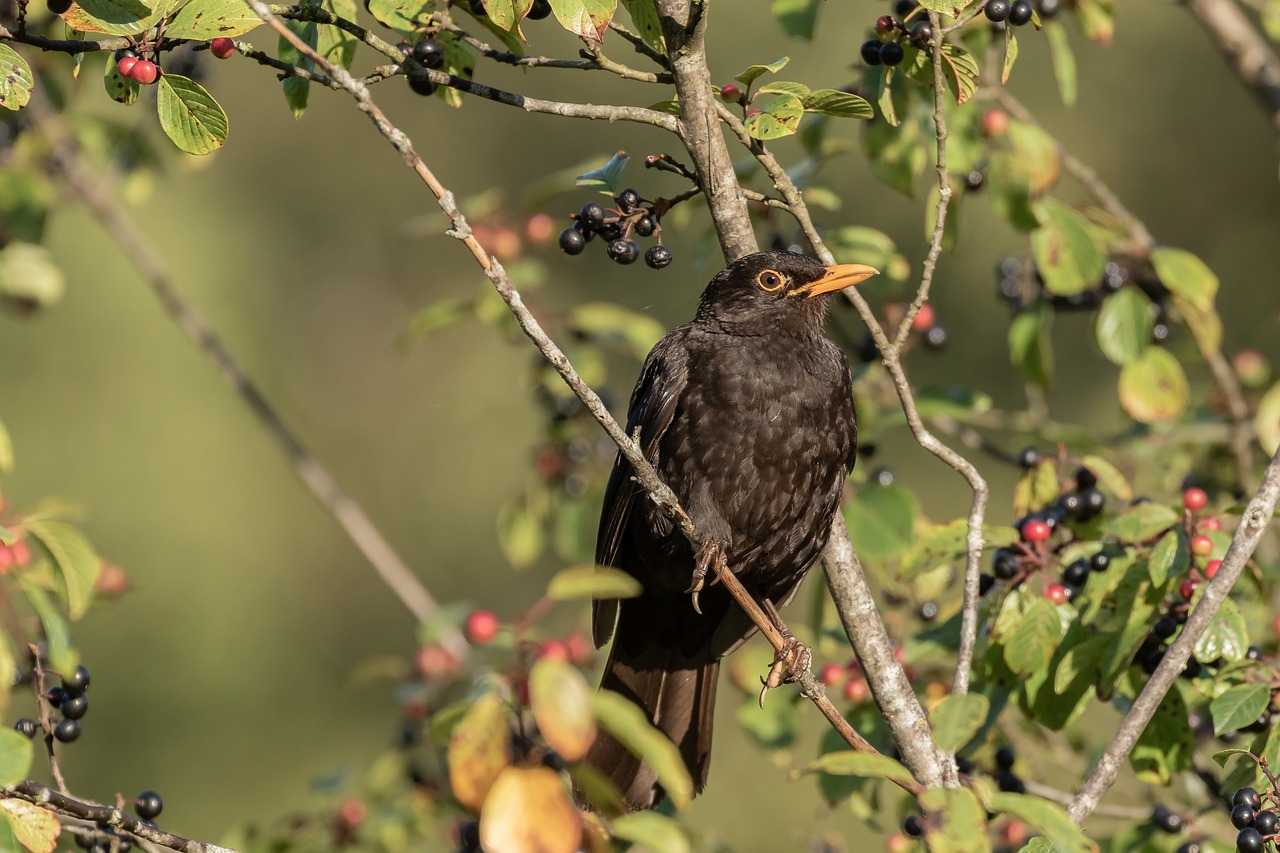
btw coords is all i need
(1253, 524)
(46, 720)
(1063, 798)
(393, 571)
(68, 806)
(1252, 58)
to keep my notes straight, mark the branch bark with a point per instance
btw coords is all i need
(1250, 55)
(1253, 524)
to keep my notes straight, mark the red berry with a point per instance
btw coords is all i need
(995, 123)
(1057, 593)
(554, 650)
(1187, 589)
(924, 319)
(898, 843)
(125, 66)
(1213, 524)
(435, 660)
(831, 673)
(856, 690)
(1201, 546)
(222, 47)
(578, 645)
(482, 626)
(731, 92)
(144, 72)
(1195, 499)
(1035, 531)
(885, 24)
(352, 812)
(1212, 568)
(1252, 368)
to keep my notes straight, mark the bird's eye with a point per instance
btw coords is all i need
(770, 280)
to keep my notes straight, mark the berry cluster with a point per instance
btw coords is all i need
(71, 699)
(429, 54)
(1020, 12)
(615, 226)
(1079, 504)
(137, 68)
(850, 679)
(1257, 825)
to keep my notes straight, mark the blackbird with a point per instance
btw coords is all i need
(747, 414)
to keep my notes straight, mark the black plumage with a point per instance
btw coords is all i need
(747, 414)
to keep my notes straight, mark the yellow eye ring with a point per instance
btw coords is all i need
(771, 280)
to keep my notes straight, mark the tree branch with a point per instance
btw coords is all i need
(684, 25)
(324, 488)
(68, 806)
(1250, 55)
(1253, 524)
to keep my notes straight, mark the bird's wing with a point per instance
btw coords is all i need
(653, 405)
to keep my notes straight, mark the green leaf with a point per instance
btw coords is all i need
(119, 88)
(1030, 160)
(521, 535)
(1036, 637)
(644, 18)
(898, 154)
(773, 115)
(1205, 325)
(785, 87)
(190, 116)
(1048, 818)
(115, 17)
(1142, 522)
(28, 273)
(1030, 346)
(608, 177)
(459, 61)
(1010, 55)
(15, 79)
(749, 76)
(957, 718)
(1069, 257)
(773, 727)
(961, 71)
(77, 562)
(612, 324)
(586, 18)
(15, 757)
(403, 16)
(1166, 745)
(1109, 477)
(1081, 661)
(850, 763)
(1221, 756)
(953, 402)
(561, 704)
(1153, 387)
(62, 657)
(1185, 275)
(626, 722)
(652, 831)
(832, 102)
(1170, 558)
(943, 543)
(881, 521)
(297, 90)
(1036, 488)
(1064, 61)
(884, 97)
(797, 17)
(1097, 19)
(1227, 636)
(958, 824)
(205, 20)
(1266, 421)
(592, 582)
(946, 7)
(1238, 707)
(1124, 325)
(507, 14)
(34, 827)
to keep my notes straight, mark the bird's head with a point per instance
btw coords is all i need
(766, 289)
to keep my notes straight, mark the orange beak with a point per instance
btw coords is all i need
(838, 278)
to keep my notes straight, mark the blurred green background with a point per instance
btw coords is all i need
(224, 680)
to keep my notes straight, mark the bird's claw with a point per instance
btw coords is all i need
(793, 659)
(709, 555)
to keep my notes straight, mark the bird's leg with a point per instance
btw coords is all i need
(710, 556)
(789, 661)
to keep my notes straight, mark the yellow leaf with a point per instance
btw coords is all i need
(528, 811)
(36, 828)
(478, 750)
(561, 702)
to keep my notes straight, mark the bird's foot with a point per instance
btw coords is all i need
(711, 556)
(792, 660)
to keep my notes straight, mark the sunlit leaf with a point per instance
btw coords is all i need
(850, 763)
(36, 828)
(1153, 387)
(1069, 257)
(1109, 477)
(749, 76)
(652, 831)
(528, 810)
(561, 704)
(479, 750)
(1030, 346)
(1186, 275)
(189, 115)
(1142, 522)
(958, 821)
(209, 19)
(586, 18)
(881, 521)
(1239, 706)
(1046, 817)
(773, 115)
(78, 564)
(957, 718)
(15, 79)
(644, 18)
(1124, 325)
(583, 582)
(1064, 61)
(833, 102)
(16, 752)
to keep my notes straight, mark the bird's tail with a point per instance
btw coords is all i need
(677, 692)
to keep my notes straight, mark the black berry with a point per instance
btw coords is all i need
(936, 337)
(57, 7)
(66, 730)
(1253, 653)
(1249, 796)
(997, 11)
(1070, 504)
(623, 251)
(891, 53)
(1166, 819)
(964, 765)
(1242, 815)
(75, 707)
(572, 242)
(1092, 502)
(1190, 847)
(973, 180)
(77, 682)
(905, 7)
(1020, 13)
(1099, 562)
(429, 53)
(539, 10)
(657, 257)
(1005, 756)
(148, 805)
(628, 200)
(1049, 9)
(1005, 564)
(929, 611)
(610, 231)
(1076, 573)
(870, 51)
(1008, 782)
(26, 727)
(422, 86)
(1266, 822)
(1165, 628)
(921, 33)
(645, 226)
(985, 582)
(591, 215)
(911, 826)
(55, 695)
(1249, 840)
(1029, 457)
